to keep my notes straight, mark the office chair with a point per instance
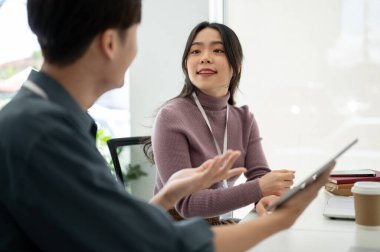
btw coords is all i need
(114, 143)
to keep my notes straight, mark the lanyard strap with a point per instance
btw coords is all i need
(35, 89)
(212, 133)
(227, 215)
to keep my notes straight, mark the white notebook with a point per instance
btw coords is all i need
(340, 207)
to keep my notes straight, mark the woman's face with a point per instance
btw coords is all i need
(207, 64)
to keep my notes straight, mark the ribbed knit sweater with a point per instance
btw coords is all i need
(182, 139)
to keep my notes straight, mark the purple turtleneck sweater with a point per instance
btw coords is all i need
(182, 139)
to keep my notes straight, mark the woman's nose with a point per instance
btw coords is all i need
(205, 58)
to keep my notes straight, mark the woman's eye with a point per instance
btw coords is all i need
(219, 51)
(194, 51)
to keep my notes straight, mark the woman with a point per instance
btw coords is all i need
(202, 122)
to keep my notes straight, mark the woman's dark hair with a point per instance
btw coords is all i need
(234, 54)
(233, 51)
(65, 28)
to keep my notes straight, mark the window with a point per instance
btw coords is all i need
(19, 49)
(311, 78)
(20, 52)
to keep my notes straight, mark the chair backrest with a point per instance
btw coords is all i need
(115, 143)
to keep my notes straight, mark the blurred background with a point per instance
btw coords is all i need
(311, 75)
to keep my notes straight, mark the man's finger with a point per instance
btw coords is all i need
(260, 209)
(234, 172)
(230, 159)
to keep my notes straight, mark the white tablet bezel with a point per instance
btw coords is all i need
(309, 179)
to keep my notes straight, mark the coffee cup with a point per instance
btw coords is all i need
(367, 204)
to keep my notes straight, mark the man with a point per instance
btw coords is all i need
(56, 192)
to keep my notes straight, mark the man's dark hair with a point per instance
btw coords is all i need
(65, 28)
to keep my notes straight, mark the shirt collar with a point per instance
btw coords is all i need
(58, 95)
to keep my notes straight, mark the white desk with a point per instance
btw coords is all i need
(314, 232)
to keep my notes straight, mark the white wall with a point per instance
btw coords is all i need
(311, 75)
(156, 73)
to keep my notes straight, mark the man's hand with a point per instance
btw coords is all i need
(190, 180)
(264, 203)
(290, 210)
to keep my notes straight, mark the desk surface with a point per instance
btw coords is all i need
(314, 232)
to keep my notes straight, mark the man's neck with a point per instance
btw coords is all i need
(77, 81)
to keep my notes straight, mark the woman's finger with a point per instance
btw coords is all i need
(285, 176)
(287, 183)
(283, 171)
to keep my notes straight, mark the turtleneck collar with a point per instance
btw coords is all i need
(213, 103)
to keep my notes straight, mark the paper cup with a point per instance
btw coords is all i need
(367, 204)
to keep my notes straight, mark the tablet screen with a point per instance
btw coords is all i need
(309, 179)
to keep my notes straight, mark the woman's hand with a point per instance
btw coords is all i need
(276, 182)
(291, 209)
(189, 180)
(246, 234)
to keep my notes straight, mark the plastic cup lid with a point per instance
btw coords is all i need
(366, 187)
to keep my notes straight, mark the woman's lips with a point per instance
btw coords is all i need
(206, 72)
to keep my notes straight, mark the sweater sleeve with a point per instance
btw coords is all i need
(255, 161)
(170, 147)
(171, 150)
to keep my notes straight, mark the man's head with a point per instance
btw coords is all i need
(66, 28)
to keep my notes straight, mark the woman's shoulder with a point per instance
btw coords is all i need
(176, 107)
(242, 111)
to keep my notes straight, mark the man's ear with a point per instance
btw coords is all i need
(107, 43)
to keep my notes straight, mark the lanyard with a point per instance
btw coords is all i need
(35, 89)
(212, 133)
(225, 185)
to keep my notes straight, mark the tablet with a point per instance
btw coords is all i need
(309, 179)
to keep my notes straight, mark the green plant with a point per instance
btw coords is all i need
(101, 144)
(133, 172)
